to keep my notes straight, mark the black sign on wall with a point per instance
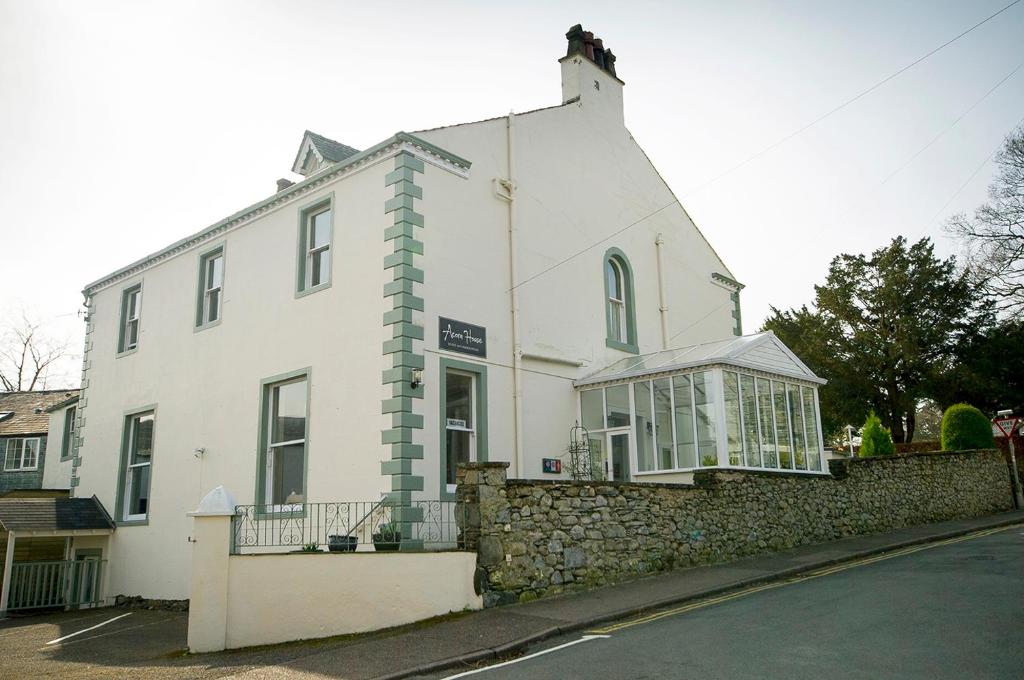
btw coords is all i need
(462, 337)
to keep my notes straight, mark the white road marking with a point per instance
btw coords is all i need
(585, 638)
(86, 630)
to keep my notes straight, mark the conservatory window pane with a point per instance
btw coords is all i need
(663, 422)
(732, 417)
(704, 401)
(592, 408)
(797, 418)
(782, 425)
(644, 426)
(811, 421)
(769, 454)
(686, 450)
(749, 402)
(617, 405)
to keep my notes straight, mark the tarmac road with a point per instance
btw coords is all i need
(951, 610)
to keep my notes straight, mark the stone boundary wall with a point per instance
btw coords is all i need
(535, 538)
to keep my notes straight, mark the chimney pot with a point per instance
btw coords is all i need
(599, 52)
(283, 184)
(588, 43)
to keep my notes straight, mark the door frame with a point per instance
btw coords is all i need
(480, 411)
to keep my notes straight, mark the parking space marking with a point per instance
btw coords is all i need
(86, 630)
(585, 638)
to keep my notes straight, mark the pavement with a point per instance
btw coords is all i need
(150, 644)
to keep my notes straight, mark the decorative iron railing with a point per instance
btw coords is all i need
(343, 527)
(63, 583)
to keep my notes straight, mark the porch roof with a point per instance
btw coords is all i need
(54, 516)
(760, 352)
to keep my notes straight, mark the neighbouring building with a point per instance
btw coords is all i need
(463, 293)
(36, 440)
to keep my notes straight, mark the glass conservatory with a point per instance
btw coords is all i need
(746, 402)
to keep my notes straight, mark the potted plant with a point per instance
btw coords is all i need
(339, 543)
(387, 537)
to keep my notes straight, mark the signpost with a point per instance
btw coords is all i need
(1005, 424)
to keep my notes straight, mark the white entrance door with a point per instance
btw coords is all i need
(460, 421)
(609, 454)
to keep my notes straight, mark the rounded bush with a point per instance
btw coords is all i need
(875, 440)
(964, 427)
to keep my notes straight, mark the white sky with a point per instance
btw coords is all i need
(127, 125)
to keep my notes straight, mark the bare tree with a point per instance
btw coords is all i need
(994, 238)
(27, 355)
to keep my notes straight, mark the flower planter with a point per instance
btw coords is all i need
(385, 546)
(342, 543)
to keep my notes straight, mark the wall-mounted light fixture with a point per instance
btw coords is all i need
(417, 378)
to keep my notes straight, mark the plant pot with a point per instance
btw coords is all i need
(385, 546)
(342, 543)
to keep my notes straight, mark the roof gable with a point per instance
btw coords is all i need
(323, 150)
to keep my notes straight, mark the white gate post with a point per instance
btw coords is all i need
(208, 595)
(5, 592)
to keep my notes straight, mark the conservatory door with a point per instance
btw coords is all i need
(609, 454)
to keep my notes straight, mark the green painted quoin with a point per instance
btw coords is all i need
(404, 361)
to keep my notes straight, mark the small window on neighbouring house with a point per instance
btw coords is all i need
(138, 457)
(67, 443)
(131, 307)
(21, 455)
(211, 287)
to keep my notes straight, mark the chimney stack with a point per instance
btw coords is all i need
(588, 76)
(584, 42)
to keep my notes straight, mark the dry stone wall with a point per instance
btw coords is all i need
(536, 538)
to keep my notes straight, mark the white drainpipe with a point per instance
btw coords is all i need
(517, 349)
(662, 307)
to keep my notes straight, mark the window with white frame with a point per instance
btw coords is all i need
(616, 300)
(68, 435)
(211, 287)
(21, 454)
(768, 423)
(131, 308)
(315, 235)
(138, 464)
(286, 405)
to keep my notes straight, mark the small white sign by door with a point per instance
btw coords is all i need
(456, 422)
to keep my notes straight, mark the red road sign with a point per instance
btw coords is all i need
(1006, 425)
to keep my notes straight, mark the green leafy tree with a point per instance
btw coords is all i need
(964, 427)
(880, 330)
(875, 439)
(988, 370)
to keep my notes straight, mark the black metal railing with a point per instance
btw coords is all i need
(343, 527)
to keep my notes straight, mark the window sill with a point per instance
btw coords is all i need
(622, 346)
(203, 327)
(132, 522)
(315, 289)
(125, 353)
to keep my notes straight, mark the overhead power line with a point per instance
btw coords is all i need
(849, 101)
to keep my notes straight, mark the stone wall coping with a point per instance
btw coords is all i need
(868, 460)
(594, 483)
(489, 465)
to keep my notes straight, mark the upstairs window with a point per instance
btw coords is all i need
(211, 288)
(67, 448)
(620, 315)
(315, 237)
(21, 455)
(131, 308)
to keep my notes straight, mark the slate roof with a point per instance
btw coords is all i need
(53, 514)
(29, 410)
(331, 150)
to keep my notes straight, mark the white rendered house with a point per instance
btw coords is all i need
(446, 295)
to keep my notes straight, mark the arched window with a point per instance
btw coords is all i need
(620, 316)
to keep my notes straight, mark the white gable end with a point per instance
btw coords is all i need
(768, 353)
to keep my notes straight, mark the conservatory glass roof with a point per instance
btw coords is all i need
(760, 352)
